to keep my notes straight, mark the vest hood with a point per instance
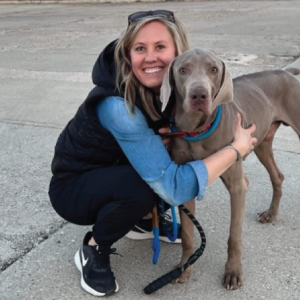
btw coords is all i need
(104, 71)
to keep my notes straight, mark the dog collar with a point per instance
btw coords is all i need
(196, 136)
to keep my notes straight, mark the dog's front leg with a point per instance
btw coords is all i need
(237, 184)
(188, 240)
(181, 155)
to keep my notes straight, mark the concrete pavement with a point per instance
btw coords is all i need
(46, 56)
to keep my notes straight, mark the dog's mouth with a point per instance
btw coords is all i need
(203, 107)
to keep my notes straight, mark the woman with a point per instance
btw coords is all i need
(111, 165)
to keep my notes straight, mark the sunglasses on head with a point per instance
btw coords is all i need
(157, 13)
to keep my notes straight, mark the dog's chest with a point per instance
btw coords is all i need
(201, 150)
(184, 152)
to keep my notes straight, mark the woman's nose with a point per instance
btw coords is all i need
(150, 56)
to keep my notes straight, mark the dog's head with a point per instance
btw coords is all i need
(201, 81)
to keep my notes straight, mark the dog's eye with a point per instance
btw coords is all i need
(214, 70)
(182, 71)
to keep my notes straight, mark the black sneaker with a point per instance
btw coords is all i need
(143, 231)
(94, 265)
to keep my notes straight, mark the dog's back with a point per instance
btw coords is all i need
(268, 96)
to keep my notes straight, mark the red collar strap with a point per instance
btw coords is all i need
(195, 136)
(182, 134)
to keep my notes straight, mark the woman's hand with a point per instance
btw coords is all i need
(220, 161)
(167, 141)
(243, 139)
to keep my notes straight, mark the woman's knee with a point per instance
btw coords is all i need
(138, 193)
(143, 201)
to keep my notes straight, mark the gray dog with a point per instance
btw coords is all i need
(202, 86)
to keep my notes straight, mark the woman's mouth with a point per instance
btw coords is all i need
(152, 70)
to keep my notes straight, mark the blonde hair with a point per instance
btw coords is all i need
(126, 81)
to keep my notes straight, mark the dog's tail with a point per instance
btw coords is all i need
(294, 71)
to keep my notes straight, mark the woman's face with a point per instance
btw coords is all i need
(152, 51)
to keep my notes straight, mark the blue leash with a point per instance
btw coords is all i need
(156, 242)
(172, 237)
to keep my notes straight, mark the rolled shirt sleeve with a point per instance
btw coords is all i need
(146, 152)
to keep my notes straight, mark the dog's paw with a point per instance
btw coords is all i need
(184, 276)
(267, 216)
(233, 278)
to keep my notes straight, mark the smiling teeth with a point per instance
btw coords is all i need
(151, 71)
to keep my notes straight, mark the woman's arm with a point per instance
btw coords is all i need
(147, 154)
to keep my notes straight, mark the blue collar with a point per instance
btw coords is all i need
(201, 136)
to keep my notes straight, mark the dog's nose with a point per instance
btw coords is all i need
(198, 95)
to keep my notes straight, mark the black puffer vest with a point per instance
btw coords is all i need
(84, 144)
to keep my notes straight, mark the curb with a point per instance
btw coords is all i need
(294, 64)
(8, 2)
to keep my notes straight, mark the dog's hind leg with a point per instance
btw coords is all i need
(265, 154)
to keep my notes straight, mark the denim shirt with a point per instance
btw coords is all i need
(147, 154)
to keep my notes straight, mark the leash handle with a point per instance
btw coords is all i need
(162, 281)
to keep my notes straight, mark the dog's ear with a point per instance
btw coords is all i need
(167, 86)
(225, 93)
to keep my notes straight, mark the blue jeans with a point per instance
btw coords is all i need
(112, 199)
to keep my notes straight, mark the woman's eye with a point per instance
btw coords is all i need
(160, 47)
(139, 49)
(214, 70)
(182, 71)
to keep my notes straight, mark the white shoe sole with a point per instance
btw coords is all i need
(83, 283)
(133, 235)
